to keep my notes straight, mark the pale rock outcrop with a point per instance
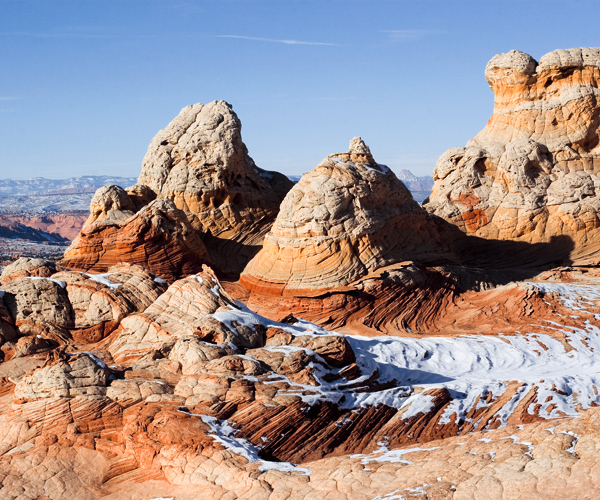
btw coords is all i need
(193, 354)
(68, 376)
(200, 162)
(139, 390)
(184, 309)
(71, 304)
(344, 219)
(25, 266)
(140, 195)
(532, 173)
(100, 302)
(111, 204)
(36, 302)
(159, 237)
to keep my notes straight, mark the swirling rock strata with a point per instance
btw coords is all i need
(159, 236)
(532, 173)
(346, 218)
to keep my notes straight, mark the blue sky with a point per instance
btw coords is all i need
(86, 84)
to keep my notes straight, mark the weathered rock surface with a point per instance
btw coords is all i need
(182, 310)
(200, 162)
(209, 397)
(159, 237)
(67, 305)
(120, 387)
(199, 199)
(532, 173)
(24, 266)
(343, 220)
(68, 376)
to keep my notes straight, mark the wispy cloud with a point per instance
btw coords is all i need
(400, 35)
(9, 98)
(275, 40)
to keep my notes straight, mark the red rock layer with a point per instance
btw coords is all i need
(414, 300)
(158, 237)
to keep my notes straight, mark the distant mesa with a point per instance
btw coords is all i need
(533, 172)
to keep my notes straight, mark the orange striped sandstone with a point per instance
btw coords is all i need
(533, 172)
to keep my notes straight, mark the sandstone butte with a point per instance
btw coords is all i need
(532, 174)
(212, 204)
(346, 218)
(126, 386)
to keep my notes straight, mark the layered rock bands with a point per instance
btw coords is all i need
(212, 204)
(532, 174)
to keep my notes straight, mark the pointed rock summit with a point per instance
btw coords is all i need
(197, 173)
(200, 162)
(532, 174)
(341, 221)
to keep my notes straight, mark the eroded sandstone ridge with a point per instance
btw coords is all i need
(533, 172)
(119, 387)
(343, 220)
(200, 198)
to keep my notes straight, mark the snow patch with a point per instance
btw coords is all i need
(103, 278)
(222, 432)
(385, 455)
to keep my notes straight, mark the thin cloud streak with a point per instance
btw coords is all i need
(9, 98)
(275, 40)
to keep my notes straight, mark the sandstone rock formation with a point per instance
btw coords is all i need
(121, 386)
(200, 162)
(340, 222)
(24, 266)
(66, 306)
(209, 398)
(532, 173)
(159, 236)
(199, 199)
